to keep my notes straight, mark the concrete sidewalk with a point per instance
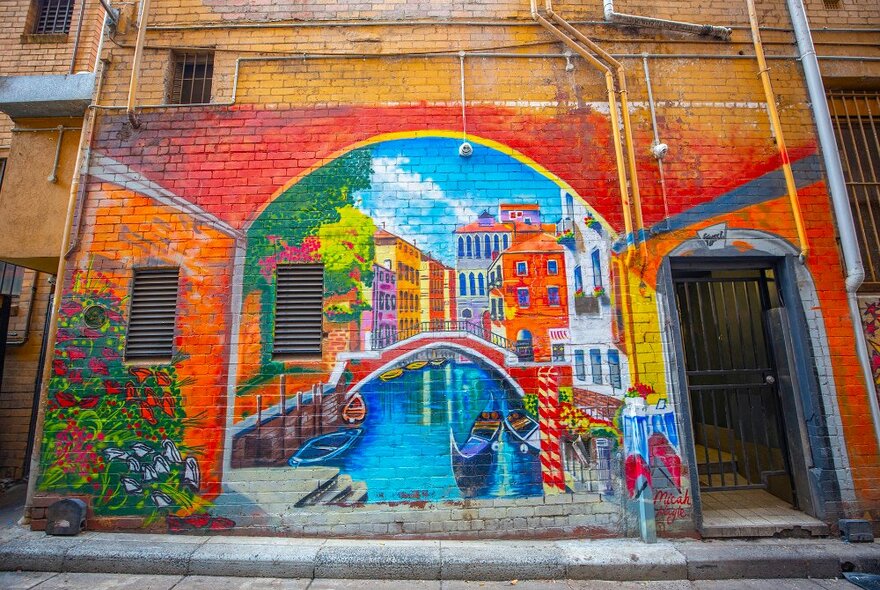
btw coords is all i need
(618, 559)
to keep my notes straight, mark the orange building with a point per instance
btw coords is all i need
(528, 294)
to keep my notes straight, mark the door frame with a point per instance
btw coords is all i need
(821, 478)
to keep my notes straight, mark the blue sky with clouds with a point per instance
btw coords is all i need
(422, 190)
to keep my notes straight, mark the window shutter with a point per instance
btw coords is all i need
(299, 309)
(153, 310)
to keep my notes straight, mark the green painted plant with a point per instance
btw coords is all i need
(113, 431)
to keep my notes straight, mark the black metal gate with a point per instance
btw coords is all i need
(731, 379)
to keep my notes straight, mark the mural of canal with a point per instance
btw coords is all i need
(405, 451)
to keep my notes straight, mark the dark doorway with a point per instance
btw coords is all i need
(732, 378)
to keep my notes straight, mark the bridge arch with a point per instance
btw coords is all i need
(465, 350)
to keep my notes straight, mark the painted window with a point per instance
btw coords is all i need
(493, 307)
(466, 314)
(473, 281)
(505, 241)
(569, 206)
(393, 302)
(522, 297)
(482, 284)
(558, 352)
(580, 368)
(460, 246)
(522, 268)
(487, 250)
(596, 258)
(578, 279)
(552, 267)
(553, 296)
(596, 365)
(468, 243)
(614, 369)
(462, 285)
(477, 248)
(496, 243)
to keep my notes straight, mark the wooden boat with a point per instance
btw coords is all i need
(524, 429)
(391, 374)
(472, 462)
(439, 362)
(324, 447)
(355, 410)
(416, 365)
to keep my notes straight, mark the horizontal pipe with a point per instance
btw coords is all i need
(44, 129)
(311, 24)
(659, 23)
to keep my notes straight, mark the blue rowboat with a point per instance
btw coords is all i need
(324, 447)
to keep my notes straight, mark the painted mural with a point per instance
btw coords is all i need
(467, 328)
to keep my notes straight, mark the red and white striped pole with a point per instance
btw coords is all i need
(552, 474)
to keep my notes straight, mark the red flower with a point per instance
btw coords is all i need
(75, 354)
(98, 366)
(88, 402)
(59, 367)
(91, 333)
(110, 354)
(112, 388)
(76, 376)
(65, 400)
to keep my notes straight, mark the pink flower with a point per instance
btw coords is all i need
(110, 354)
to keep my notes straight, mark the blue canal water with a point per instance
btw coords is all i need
(404, 453)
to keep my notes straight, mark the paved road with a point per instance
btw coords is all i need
(54, 581)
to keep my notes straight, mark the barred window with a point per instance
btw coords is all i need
(53, 16)
(856, 119)
(191, 79)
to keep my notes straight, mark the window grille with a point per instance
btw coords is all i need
(856, 119)
(831, 4)
(192, 77)
(53, 16)
(299, 303)
(153, 311)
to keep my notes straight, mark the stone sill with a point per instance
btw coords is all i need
(44, 38)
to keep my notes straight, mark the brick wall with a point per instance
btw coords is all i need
(315, 156)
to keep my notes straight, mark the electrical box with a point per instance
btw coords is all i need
(855, 530)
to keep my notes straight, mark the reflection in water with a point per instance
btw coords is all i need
(404, 454)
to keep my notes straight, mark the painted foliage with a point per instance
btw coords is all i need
(113, 430)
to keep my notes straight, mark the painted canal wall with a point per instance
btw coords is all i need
(513, 359)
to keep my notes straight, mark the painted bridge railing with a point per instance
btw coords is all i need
(381, 341)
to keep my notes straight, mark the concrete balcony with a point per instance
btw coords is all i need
(46, 96)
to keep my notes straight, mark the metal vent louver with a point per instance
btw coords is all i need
(153, 309)
(299, 309)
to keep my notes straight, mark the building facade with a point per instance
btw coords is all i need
(655, 199)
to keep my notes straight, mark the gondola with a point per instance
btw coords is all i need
(324, 447)
(472, 462)
(355, 410)
(524, 429)
(438, 362)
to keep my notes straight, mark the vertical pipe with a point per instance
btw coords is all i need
(849, 245)
(656, 136)
(776, 125)
(77, 36)
(136, 61)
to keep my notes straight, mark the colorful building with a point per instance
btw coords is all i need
(530, 295)
(238, 194)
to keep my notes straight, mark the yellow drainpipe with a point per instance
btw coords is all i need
(624, 107)
(612, 106)
(136, 62)
(776, 125)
